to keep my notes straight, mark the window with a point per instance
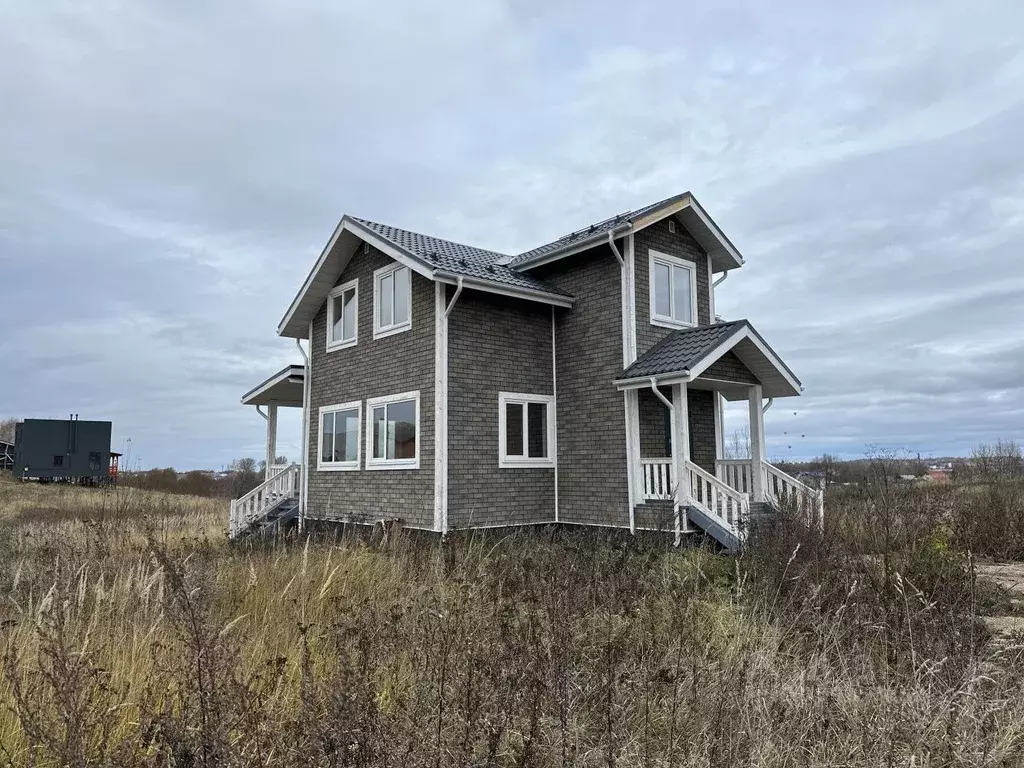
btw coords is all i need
(339, 437)
(393, 432)
(673, 291)
(526, 430)
(392, 300)
(343, 316)
(94, 460)
(58, 461)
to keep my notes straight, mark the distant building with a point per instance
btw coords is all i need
(940, 475)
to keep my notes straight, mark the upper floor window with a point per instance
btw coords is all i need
(673, 291)
(526, 430)
(342, 316)
(392, 300)
(393, 431)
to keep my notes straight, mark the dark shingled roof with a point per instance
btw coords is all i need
(601, 227)
(681, 350)
(457, 258)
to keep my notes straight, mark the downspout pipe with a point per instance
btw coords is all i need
(304, 463)
(720, 280)
(615, 248)
(771, 401)
(656, 391)
(259, 410)
(455, 298)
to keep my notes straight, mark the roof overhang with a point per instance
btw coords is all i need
(777, 380)
(343, 245)
(686, 209)
(284, 388)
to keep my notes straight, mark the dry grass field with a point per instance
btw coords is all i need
(135, 634)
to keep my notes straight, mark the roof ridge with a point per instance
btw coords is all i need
(431, 237)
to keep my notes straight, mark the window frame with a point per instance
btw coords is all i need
(382, 331)
(341, 290)
(339, 466)
(669, 321)
(525, 462)
(385, 400)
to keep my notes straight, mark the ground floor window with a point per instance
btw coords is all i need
(339, 437)
(393, 432)
(526, 430)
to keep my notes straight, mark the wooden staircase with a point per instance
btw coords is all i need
(268, 505)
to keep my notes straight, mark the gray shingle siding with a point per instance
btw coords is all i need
(730, 368)
(681, 244)
(495, 344)
(591, 417)
(701, 404)
(654, 416)
(375, 367)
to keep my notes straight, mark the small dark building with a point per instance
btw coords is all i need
(62, 449)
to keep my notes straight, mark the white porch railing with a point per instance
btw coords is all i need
(782, 488)
(778, 486)
(729, 506)
(657, 479)
(263, 499)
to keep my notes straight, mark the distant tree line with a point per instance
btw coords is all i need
(241, 476)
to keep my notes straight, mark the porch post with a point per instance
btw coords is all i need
(271, 438)
(756, 443)
(634, 477)
(680, 456)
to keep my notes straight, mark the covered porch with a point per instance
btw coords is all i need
(278, 496)
(674, 397)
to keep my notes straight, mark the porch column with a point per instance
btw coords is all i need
(271, 438)
(634, 474)
(756, 443)
(680, 456)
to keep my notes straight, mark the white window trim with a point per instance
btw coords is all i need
(338, 466)
(672, 261)
(525, 462)
(335, 293)
(371, 403)
(379, 332)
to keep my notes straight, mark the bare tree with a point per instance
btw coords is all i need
(7, 430)
(738, 445)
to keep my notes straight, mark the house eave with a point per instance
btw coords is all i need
(518, 292)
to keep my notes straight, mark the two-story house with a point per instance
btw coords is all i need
(451, 387)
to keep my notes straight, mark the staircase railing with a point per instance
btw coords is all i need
(263, 499)
(726, 504)
(736, 474)
(781, 488)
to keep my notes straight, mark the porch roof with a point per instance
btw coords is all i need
(685, 354)
(284, 388)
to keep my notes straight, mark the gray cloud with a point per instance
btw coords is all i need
(170, 171)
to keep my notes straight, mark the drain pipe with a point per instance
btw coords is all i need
(455, 298)
(768, 405)
(615, 248)
(720, 280)
(655, 390)
(304, 462)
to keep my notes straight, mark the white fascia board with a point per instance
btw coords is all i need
(583, 245)
(366, 235)
(745, 332)
(729, 255)
(662, 379)
(517, 292)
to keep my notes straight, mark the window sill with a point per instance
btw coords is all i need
(395, 464)
(338, 467)
(667, 322)
(334, 346)
(526, 464)
(380, 333)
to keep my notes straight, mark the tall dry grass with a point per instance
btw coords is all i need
(134, 634)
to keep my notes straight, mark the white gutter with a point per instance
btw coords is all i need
(615, 248)
(304, 462)
(561, 253)
(489, 286)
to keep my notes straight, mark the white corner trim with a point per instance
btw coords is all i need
(664, 321)
(711, 292)
(339, 466)
(379, 331)
(440, 408)
(351, 285)
(554, 392)
(629, 303)
(373, 402)
(525, 462)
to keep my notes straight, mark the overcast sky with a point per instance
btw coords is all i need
(169, 172)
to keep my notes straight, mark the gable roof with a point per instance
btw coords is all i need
(436, 259)
(685, 206)
(685, 354)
